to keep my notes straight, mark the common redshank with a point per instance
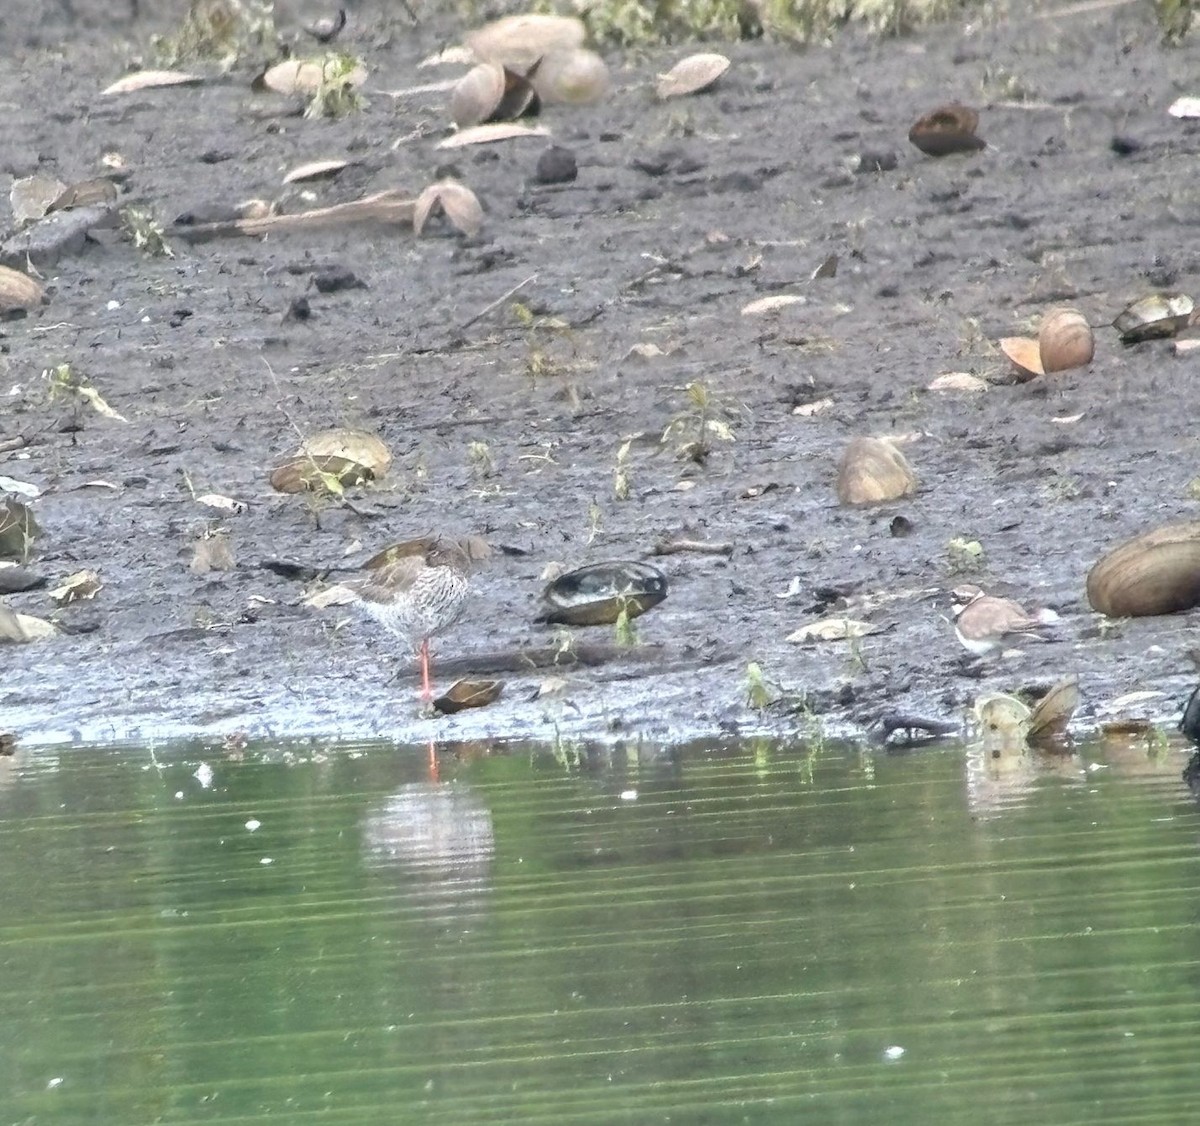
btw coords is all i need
(417, 595)
(983, 622)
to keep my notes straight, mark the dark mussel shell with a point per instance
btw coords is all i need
(596, 595)
(947, 130)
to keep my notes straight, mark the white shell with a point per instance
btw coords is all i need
(487, 134)
(304, 76)
(691, 75)
(519, 41)
(576, 78)
(477, 94)
(314, 170)
(149, 79)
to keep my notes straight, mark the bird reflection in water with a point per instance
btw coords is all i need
(437, 838)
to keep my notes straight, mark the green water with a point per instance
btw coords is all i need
(727, 934)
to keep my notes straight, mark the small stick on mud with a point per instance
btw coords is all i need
(390, 206)
(700, 547)
(496, 304)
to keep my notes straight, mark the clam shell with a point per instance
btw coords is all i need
(691, 75)
(465, 694)
(1002, 715)
(575, 78)
(519, 41)
(477, 95)
(456, 201)
(596, 595)
(1155, 573)
(18, 292)
(946, 130)
(1189, 722)
(1155, 316)
(874, 471)
(304, 76)
(1065, 340)
(1025, 356)
(1054, 711)
(354, 445)
(304, 473)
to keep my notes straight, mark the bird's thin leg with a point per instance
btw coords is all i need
(426, 690)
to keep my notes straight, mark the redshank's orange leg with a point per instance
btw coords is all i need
(426, 690)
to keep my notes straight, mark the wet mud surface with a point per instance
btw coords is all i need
(682, 213)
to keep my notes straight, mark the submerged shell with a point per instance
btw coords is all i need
(1002, 715)
(1155, 573)
(1054, 711)
(1065, 340)
(947, 130)
(597, 594)
(874, 471)
(1154, 316)
(691, 75)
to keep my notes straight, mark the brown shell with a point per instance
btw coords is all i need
(468, 694)
(1065, 340)
(456, 201)
(1155, 573)
(360, 446)
(874, 471)
(303, 473)
(1054, 711)
(303, 76)
(477, 94)
(692, 75)
(1025, 356)
(18, 292)
(946, 130)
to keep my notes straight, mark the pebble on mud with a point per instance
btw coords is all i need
(556, 165)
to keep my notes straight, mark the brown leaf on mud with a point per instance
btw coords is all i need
(465, 694)
(18, 292)
(151, 79)
(315, 170)
(692, 75)
(212, 552)
(31, 196)
(489, 134)
(519, 41)
(98, 191)
(22, 628)
(76, 587)
(456, 201)
(873, 471)
(947, 130)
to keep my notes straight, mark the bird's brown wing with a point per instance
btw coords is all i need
(384, 583)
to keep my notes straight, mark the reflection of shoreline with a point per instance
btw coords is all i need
(439, 840)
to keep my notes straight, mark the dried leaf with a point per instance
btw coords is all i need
(150, 79)
(222, 503)
(315, 170)
(76, 587)
(489, 134)
(772, 304)
(831, 629)
(958, 381)
(90, 395)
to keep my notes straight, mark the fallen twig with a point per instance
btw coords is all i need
(390, 206)
(496, 304)
(700, 547)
